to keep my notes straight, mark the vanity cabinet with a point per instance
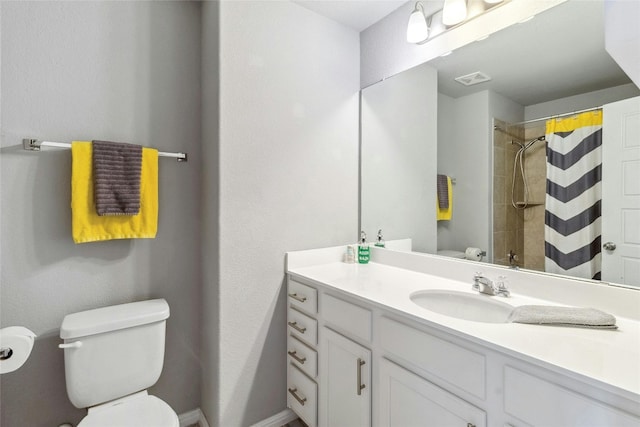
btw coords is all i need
(354, 363)
(407, 399)
(346, 382)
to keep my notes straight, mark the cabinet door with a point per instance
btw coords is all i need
(346, 381)
(408, 400)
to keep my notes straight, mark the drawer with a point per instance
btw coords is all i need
(302, 296)
(302, 395)
(539, 402)
(453, 364)
(302, 326)
(303, 356)
(350, 318)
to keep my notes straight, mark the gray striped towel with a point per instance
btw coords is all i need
(442, 188)
(116, 177)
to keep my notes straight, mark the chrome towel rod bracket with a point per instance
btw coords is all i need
(32, 144)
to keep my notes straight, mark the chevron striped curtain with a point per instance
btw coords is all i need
(574, 195)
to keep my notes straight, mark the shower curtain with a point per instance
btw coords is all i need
(574, 196)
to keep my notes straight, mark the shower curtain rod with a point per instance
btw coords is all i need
(555, 116)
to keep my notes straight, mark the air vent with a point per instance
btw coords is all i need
(473, 78)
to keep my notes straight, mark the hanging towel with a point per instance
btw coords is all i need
(87, 225)
(563, 316)
(116, 177)
(444, 214)
(443, 191)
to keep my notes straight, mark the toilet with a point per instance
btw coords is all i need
(111, 356)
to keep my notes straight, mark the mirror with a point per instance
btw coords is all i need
(553, 64)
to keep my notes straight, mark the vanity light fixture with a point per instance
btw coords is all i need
(418, 28)
(454, 12)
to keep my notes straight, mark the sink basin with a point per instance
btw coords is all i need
(461, 305)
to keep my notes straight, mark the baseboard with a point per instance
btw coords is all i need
(277, 420)
(193, 417)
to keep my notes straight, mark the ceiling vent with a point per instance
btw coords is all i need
(473, 78)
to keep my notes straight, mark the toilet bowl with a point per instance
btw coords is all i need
(112, 356)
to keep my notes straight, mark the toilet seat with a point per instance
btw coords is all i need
(140, 409)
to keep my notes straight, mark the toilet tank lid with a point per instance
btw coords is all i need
(112, 318)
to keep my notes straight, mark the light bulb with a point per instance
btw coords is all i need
(417, 28)
(454, 12)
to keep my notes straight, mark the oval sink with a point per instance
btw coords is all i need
(461, 305)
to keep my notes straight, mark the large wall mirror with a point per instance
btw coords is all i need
(423, 122)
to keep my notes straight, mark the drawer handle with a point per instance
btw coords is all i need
(299, 298)
(471, 425)
(360, 386)
(295, 326)
(293, 354)
(294, 393)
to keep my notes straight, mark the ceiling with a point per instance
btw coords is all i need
(559, 53)
(356, 14)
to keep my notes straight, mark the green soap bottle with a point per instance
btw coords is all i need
(363, 249)
(380, 242)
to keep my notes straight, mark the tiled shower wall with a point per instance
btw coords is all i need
(508, 225)
(518, 230)
(535, 166)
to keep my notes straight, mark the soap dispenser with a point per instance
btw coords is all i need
(363, 249)
(380, 242)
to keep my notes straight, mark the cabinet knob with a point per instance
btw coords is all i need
(294, 393)
(295, 326)
(359, 386)
(298, 297)
(300, 360)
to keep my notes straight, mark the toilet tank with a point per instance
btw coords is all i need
(113, 351)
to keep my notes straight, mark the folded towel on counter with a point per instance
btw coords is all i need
(116, 177)
(563, 316)
(444, 214)
(87, 225)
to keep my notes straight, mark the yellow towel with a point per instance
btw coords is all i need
(87, 225)
(445, 214)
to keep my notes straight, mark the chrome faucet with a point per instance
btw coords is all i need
(484, 285)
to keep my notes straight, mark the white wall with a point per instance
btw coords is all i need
(288, 180)
(124, 71)
(581, 102)
(384, 50)
(622, 35)
(465, 152)
(399, 151)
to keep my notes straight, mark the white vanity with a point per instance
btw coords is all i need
(361, 352)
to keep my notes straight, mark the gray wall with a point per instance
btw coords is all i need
(288, 180)
(465, 152)
(399, 157)
(123, 71)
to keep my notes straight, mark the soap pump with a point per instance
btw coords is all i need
(363, 249)
(380, 242)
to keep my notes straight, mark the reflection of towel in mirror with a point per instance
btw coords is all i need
(563, 316)
(444, 187)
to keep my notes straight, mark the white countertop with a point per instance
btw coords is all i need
(609, 359)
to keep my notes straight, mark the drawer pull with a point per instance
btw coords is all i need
(471, 425)
(295, 326)
(360, 386)
(294, 393)
(293, 354)
(298, 298)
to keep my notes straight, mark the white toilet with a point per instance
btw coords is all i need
(111, 356)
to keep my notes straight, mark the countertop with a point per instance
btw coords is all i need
(609, 359)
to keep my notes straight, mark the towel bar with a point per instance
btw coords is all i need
(35, 145)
